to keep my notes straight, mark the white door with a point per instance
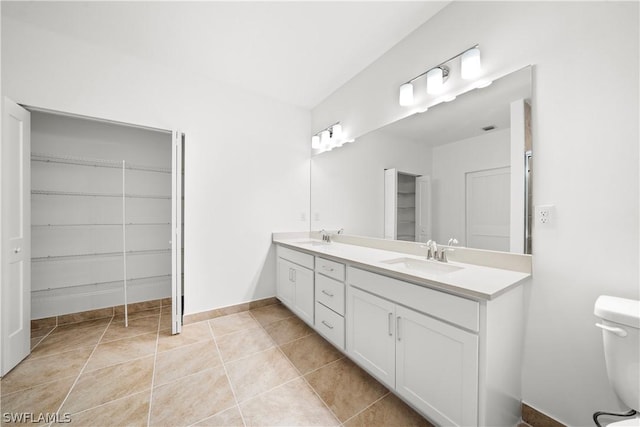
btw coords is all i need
(437, 368)
(304, 295)
(423, 208)
(16, 235)
(488, 207)
(370, 334)
(176, 227)
(390, 203)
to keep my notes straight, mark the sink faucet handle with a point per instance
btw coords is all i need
(341, 231)
(432, 249)
(452, 242)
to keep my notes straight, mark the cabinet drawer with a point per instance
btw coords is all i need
(300, 258)
(457, 310)
(330, 325)
(330, 268)
(330, 293)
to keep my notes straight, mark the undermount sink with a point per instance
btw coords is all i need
(424, 266)
(313, 243)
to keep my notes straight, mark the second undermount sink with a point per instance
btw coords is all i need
(423, 266)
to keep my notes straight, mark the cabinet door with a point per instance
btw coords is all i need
(370, 334)
(303, 293)
(285, 284)
(437, 368)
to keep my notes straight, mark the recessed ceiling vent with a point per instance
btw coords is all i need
(488, 128)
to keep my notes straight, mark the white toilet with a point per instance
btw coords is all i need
(621, 334)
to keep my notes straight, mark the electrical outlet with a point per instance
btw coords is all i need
(545, 214)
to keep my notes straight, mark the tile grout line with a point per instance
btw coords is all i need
(226, 374)
(83, 368)
(153, 373)
(367, 407)
(300, 373)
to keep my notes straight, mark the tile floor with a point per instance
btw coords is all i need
(260, 367)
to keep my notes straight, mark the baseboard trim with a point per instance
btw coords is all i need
(223, 311)
(535, 418)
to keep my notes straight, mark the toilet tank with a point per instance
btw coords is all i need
(620, 332)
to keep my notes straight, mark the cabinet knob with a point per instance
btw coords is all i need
(17, 250)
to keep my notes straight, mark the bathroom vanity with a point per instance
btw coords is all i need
(445, 337)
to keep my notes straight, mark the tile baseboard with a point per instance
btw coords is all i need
(223, 311)
(535, 418)
(65, 319)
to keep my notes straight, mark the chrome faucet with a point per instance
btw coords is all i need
(326, 237)
(443, 252)
(432, 249)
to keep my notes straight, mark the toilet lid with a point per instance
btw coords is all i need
(620, 310)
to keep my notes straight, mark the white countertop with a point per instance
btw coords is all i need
(471, 281)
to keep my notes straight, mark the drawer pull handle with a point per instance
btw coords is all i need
(390, 326)
(327, 325)
(398, 327)
(324, 267)
(329, 294)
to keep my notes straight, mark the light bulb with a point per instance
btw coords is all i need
(336, 131)
(406, 95)
(315, 142)
(325, 139)
(435, 81)
(470, 66)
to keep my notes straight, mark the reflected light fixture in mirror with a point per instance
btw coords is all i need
(435, 80)
(470, 66)
(329, 138)
(406, 95)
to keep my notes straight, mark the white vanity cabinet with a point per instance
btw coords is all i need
(295, 282)
(448, 356)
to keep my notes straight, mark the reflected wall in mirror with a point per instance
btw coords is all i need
(466, 161)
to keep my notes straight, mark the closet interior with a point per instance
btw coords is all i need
(101, 214)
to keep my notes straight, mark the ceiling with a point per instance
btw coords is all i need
(294, 52)
(466, 116)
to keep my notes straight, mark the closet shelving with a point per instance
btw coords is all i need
(123, 225)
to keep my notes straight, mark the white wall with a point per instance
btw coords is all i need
(451, 162)
(348, 182)
(585, 143)
(247, 157)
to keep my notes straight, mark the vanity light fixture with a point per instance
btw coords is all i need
(329, 138)
(448, 98)
(483, 83)
(470, 68)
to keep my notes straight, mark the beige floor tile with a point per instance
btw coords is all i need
(114, 352)
(35, 342)
(240, 344)
(41, 399)
(108, 384)
(390, 411)
(190, 334)
(103, 321)
(119, 317)
(259, 372)
(271, 313)
(41, 332)
(190, 399)
(345, 388)
(67, 340)
(310, 353)
(129, 411)
(165, 321)
(34, 371)
(232, 323)
(228, 418)
(286, 330)
(140, 326)
(292, 404)
(185, 360)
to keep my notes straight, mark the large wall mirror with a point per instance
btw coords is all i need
(459, 170)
